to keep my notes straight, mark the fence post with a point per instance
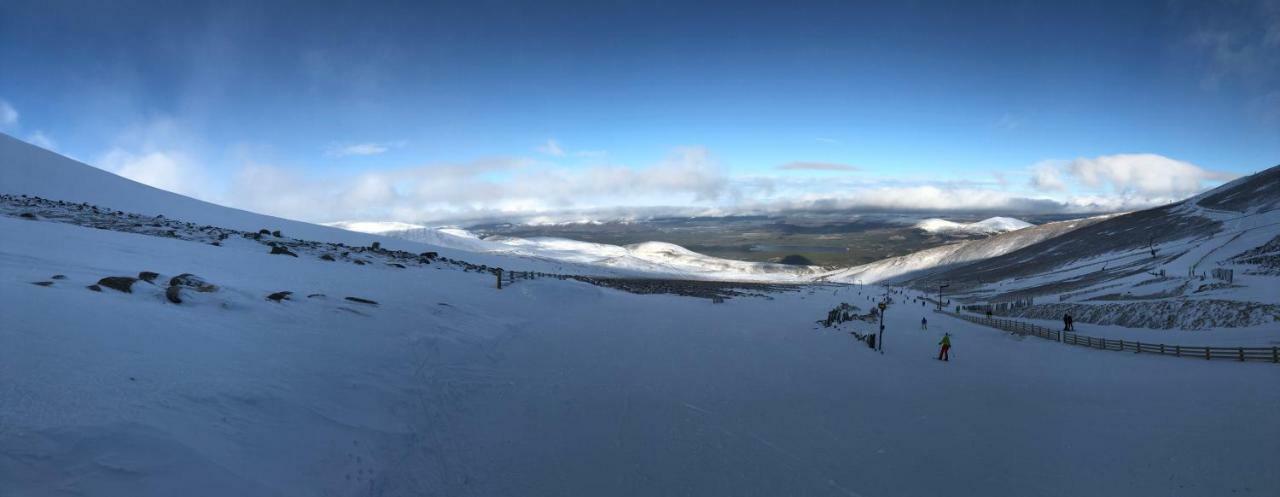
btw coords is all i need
(1275, 354)
(1241, 354)
(1206, 353)
(1177, 351)
(1138, 348)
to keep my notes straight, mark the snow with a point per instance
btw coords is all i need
(955, 253)
(449, 386)
(650, 259)
(985, 227)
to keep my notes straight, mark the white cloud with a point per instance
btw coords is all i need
(1046, 177)
(164, 169)
(160, 152)
(1144, 174)
(8, 115)
(816, 166)
(500, 186)
(40, 139)
(552, 148)
(370, 148)
(1149, 176)
(591, 154)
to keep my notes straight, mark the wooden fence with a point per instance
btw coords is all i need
(1269, 354)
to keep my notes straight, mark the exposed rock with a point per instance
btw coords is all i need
(278, 296)
(119, 283)
(429, 255)
(174, 294)
(358, 262)
(264, 231)
(276, 234)
(362, 301)
(376, 246)
(27, 215)
(148, 276)
(401, 266)
(326, 257)
(42, 283)
(59, 277)
(193, 282)
(315, 295)
(95, 288)
(280, 250)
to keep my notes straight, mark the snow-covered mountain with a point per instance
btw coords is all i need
(648, 258)
(985, 227)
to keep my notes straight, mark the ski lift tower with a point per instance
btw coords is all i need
(940, 287)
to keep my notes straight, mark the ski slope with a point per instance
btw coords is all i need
(449, 386)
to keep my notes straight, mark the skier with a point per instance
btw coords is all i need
(946, 345)
(924, 323)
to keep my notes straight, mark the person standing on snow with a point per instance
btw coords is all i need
(924, 323)
(946, 345)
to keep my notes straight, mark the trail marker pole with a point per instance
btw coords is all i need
(880, 339)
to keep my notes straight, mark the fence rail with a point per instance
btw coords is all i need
(1267, 354)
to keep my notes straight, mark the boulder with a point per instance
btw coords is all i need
(327, 257)
(148, 276)
(280, 250)
(193, 282)
(174, 294)
(95, 288)
(278, 296)
(118, 283)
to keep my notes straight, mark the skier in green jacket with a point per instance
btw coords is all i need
(946, 345)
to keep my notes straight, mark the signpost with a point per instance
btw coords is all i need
(880, 339)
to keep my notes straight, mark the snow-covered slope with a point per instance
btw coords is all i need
(985, 227)
(956, 253)
(31, 170)
(649, 258)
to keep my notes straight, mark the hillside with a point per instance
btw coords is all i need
(1161, 267)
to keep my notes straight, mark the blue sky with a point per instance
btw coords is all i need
(428, 112)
